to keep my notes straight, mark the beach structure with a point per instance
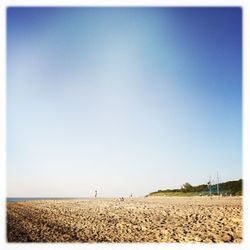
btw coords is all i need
(213, 189)
(218, 188)
(209, 186)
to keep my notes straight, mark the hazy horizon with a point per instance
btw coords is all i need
(91, 195)
(122, 100)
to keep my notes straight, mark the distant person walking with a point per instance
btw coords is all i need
(95, 193)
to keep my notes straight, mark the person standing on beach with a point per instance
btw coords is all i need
(95, 193)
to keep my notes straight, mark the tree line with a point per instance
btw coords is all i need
(225, 188)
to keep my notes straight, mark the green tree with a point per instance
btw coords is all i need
(187, 187)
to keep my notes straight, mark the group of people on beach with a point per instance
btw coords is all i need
(120, 199)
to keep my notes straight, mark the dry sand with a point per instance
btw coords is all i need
(156, 219)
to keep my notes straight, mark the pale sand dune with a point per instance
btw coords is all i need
(175, 219)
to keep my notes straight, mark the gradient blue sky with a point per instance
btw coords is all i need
(122, 100)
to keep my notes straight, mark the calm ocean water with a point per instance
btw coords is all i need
(14, 199)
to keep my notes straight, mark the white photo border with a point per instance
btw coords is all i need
(244, 4)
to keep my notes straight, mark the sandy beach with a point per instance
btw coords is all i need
(152, 219)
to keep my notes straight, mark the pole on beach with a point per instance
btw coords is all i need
(209, 187)
(218, 188)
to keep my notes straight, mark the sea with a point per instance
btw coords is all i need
(15, 199)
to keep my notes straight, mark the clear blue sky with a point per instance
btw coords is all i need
(122, 100)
